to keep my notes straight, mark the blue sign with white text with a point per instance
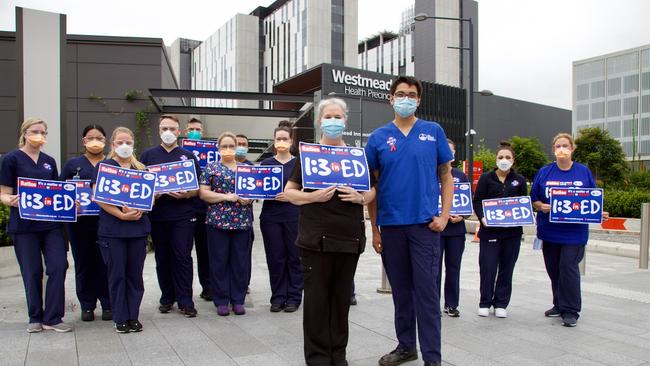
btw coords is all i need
(125, 187)
(576, 205)
(46, 200)
(87, 206)
(462, 203)
(207, 152)
(509, 211)
(258, 182)
(178, 176)
(324, 166)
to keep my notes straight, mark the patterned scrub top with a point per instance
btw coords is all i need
(225, 215)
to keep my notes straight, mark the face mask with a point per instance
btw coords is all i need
(36, 140)
(227, 153)
(168, 138)
(504, 164)
(332, 127)
(124, 151)
(405, 107)
(562, 153)
(194, 135)
(282, 146)
(241, 151)
(95, 147)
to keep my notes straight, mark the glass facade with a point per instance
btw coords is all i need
(613, 92)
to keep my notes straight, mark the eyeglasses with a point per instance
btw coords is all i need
(408, 95)
(35, 132)
(90, 138)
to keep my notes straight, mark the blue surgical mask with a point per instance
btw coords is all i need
(241, 151)
(194, 135)
(332, 127)
(405, 107)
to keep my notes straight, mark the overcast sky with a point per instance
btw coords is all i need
(526, 46)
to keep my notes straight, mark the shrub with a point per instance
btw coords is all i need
(625, 203)
(5, 240)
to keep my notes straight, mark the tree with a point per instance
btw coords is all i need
(602, 154)
(486, 156)
(529, 156)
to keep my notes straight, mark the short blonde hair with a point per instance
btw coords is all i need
(134, 162)
(29, 122)
(224, 135)
(564, 135)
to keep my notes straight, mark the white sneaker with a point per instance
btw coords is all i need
(484, 312)
(34, 327)
(59, 328)
(500, 313)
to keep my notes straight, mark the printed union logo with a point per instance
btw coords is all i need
(69, 187)
(276, 170)
(187, 164)
(391, 140)
(148, 176)
(183, 157)
(524, 200)
(515, 183)
(47, 166)
(578, 183)
(356, 152)
(463, 187)
(596, 193)
(426, 137)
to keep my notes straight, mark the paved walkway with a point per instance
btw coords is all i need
(614, 328)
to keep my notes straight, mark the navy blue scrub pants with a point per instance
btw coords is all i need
(561, 262)
(201, 246)
(451, 247)
(124, 259)
(31, 249)
(172, 242)
(229, 264)
(411, 257)
(91, 282)
(328, 280)
(283, 260)
(497, 258)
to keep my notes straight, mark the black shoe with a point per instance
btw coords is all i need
(353, 300)
(87, 315)
(122, 328)
(569, 320)
(276, 308)
(397, 357)
(432, 363)
(165, 308)
(189, 312)
(135, 326)
(205, 295)
(452, 312)
(290, 308)
(552, 312)
(107, 314)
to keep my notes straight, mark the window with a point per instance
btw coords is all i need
(628, 127)
(613, 108)
(631, 83)
(623, 63)
(644, 147)
(645, 103)
(582, 92)
(627, 148)
(614, 129)
(614, 86)
(583, 112)
(598, 89)
(645, 81)
(630, 105)
(598, 110)
(644, 127)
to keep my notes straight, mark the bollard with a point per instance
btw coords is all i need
(645, 236)
(385, 285)
(583, 264)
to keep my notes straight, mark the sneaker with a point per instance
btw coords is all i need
(452, 312)
(432, 363)
(569, 320)
(59, 328)
(239, 309)
(500, 313)
(135, 326)
(107, 314)
(222, 310)
(290, 308)
(276, 308)
(87, 315)
(397, 357)
(165, 308)
(205, 295)
(34, 327)
(552, 312)
(353, 300)
(189, 312)
(483, 312)
(122, 328)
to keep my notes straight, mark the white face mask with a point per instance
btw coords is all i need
(504, 164)
(124, 151)
(168, 138)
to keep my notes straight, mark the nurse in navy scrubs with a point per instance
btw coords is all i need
(90, 271)
(122, 240)
(35, 241)
(279, 225)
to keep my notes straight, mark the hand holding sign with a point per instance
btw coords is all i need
(86, 205)
(46, 200)
(125, 187)
(258, 182)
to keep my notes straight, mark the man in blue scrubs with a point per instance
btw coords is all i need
(172, 225)
(411, 157)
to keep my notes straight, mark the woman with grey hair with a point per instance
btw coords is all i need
(331, 236)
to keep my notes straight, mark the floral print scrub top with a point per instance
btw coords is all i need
(225, 215)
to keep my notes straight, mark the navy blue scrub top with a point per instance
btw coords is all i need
(168, 208)
(456, 229)
(276, 211)
(18, 164)
(79, 168)
(112, 227)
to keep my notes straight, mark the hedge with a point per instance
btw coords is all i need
(5, 240)
(626, 203)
